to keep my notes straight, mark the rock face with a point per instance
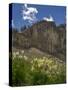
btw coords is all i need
(43, 35)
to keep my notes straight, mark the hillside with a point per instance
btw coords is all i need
(33, 67)
(42, 35)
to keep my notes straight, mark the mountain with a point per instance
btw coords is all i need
(43, 35)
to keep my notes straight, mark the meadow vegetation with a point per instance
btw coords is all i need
(37, 70)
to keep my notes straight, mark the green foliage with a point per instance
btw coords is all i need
(38, 71)
(20, 72)
(39, 78)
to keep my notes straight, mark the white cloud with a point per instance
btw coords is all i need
(29, 13)
(50, 19)
(25, 5)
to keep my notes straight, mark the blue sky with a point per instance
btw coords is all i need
(57, 12)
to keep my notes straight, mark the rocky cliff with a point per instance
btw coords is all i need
(42, 35)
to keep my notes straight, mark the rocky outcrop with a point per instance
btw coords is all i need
(43, 35)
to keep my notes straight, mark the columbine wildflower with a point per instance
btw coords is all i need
(20, 56)
(25, 57)
(44, 58)
(22, 51)
(17, 53)
(31, 61)
(35, 59)
(32, 68)
(14, 55)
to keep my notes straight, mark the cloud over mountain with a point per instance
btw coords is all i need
(29, 14)
(50, 19)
